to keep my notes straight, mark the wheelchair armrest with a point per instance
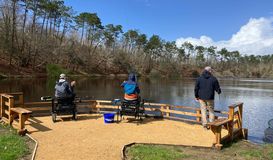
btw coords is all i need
(46, 98)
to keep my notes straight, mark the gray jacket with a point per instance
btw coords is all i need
(63, 89)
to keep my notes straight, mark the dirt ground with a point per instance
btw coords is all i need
(90, 138)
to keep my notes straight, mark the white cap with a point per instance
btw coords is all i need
(62, 76)
(208, 68)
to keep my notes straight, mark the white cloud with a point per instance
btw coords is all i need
(256, 37)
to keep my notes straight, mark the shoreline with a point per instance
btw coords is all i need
(4, 77)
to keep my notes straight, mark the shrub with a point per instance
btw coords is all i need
(54, 70)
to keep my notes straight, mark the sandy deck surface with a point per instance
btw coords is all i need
(89, 138)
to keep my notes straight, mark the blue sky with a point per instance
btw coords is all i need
(173, 19)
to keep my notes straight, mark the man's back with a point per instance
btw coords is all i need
(62, 89)
(131, 89)
(206, 85)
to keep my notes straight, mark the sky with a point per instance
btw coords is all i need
(244, 25)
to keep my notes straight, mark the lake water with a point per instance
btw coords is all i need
(257, 95)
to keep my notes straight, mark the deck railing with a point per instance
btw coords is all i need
(185, 113)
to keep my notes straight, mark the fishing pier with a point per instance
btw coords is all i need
(89, 137)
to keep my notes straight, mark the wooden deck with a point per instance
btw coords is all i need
(90, 138)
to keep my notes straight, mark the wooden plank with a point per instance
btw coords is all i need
(4, 119)
(183, 119)
(47, 108)
(37, 103)
(21, 110)
(245, 133)
(6, 112)
(240, 116)
(152, 109)
(155, 104)
(104, 101)
(180, 112)
(198, 112)
(235, 105)
(7, 96)
(185, 107)
(38, 108)
(219, 122)
(236, 113)
(15, 93)
(7, 103)
(231, 114)
(1, 106)
(167, 111)
(221, 112)
(107, 106)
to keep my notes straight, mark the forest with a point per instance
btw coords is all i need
(36, 35)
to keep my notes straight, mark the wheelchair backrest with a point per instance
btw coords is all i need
(130, 104)
(64, 101)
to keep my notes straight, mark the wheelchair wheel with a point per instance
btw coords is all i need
(54, 115)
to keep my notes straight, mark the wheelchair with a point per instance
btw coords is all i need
(64, 106)
(132, 108)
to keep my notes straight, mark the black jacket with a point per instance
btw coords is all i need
(205, 86)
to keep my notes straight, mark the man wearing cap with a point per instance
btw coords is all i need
(204, 90)
(63, 89)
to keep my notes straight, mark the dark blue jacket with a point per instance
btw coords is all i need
(131, 86)
(205, 86)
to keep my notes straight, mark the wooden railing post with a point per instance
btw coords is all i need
(98, 107)
(10, 105)
(198, 112)
(244, 131)
(168, 109)
(1, 106)
(230, 125)
(240, 120)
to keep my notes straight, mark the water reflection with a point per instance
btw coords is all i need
(256, 95)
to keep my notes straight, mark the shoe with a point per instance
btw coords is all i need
(205, 127)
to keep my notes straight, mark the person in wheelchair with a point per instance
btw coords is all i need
(64, 91)
(131, 104)
(131, 89)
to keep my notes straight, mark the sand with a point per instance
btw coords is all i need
(90, 138)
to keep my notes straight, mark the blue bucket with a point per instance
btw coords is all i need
(109, 117)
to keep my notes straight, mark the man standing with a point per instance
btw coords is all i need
(204, 90)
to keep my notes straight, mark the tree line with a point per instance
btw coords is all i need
(35, 33)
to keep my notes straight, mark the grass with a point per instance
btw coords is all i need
(150, 152)
(249, 154)
(241, 150)
(12, 146)
(54, 70)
